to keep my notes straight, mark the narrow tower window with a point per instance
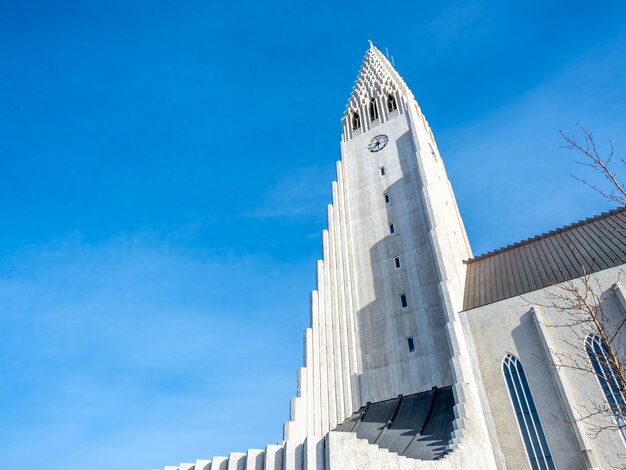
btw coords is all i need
(432, 151)
(387, 200)
(396, 262)
(356, 121)
(373, 110)
(600, 357)
(382, 171)
(527, 416)
(391, 103)
(392, 229)
(403, 301)
(411, 344)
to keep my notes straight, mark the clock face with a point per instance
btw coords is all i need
(378, 143)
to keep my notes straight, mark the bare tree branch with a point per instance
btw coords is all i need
(593, 159)
(580, 307)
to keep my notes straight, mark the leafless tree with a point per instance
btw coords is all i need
(601, 167)
(595, 335)
(595, 340)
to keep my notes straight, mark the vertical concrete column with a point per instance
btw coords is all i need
(310, 387)
(237, 461)
(317, 380)
(399, 101)
(564, 389)
(334, 311)
(323, 354)
(341, 307)
(330, 370)
(301, 403)
(347, 127)
(202, 465)
(365, 118)
(313, 453)
(350, 289)
(382, 109)
(383, 112)
(274, 457)
(295, 428)
(293, 456)
(255, 460)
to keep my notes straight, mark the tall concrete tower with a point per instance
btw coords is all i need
(392, 271)
(384, 316)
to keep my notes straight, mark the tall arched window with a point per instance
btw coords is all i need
(391, 103)
(373, 110)
(527, 417)
(356, 121)
(599, 355)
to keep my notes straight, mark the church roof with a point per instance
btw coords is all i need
(418, 426)
(560, 255)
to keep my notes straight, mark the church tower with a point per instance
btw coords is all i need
(384, 319)
(392, 270)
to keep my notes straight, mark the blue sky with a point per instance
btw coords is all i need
(164, 170)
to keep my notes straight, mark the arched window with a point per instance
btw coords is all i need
(391, 103)
(527, 417)
(356, 121)
(373, 110)
(599, 355)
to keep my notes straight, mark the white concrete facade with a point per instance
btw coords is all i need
(379, 285)
(531, 331)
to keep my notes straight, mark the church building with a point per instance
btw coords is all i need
(420, 355)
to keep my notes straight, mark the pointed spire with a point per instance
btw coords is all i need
(379, 93)
(377, 77)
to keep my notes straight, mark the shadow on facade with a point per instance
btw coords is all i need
(418, 425)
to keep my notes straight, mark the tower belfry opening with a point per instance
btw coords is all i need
(373, 110)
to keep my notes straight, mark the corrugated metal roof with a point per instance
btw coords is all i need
(566, 253)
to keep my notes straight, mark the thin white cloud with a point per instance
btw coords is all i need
(512, 156)
(128, 351)
(301, 193)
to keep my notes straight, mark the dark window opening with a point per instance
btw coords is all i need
(391, 103)
(403, 301)
(411, 344)
(396, 261)
(356, 121)
(382, 171)
(387, 200)
(392, 229)
(432, 151)
(373, 111)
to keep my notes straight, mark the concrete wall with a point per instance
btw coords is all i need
(513, 326)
